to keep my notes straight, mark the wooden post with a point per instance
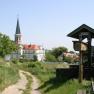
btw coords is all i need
(81, 62)
(89, 50)
(81, 69)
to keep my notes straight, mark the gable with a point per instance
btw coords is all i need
(79, 30)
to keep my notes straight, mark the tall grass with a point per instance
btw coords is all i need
(8, 75)
(39, 69)
(49, 83)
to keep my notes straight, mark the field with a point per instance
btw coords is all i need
(49, 84)
(45, 72)
(8, 75)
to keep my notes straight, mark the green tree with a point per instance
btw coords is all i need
(35, 58)
(68, 59)
(50, 57)
(6, 45)
(58, 51)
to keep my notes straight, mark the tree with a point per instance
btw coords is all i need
(50, 57)
(58, 51)
(35, 58)
(6, 45)
(68, 59)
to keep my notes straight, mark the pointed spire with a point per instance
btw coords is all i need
(18, 27)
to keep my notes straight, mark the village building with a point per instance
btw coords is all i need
(27, 51)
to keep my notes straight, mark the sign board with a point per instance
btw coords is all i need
(83, 47)
(76, 45)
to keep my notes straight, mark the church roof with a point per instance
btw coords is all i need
(18, 27)
(31, 47)
(82, 28)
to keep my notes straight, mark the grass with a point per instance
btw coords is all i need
(49, 84)
(28, 85)
(8, 75)
(39, 69)
(54, 86)
(45, 72)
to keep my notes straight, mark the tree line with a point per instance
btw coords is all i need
(57, 55)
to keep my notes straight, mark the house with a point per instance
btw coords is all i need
(74, 56)
(27, 51)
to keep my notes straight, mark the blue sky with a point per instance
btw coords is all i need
(45, 22)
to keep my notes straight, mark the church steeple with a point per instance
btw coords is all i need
(18, 27)
(18, 33)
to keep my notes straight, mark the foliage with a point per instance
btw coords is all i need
(15, 61)
(68, 59)
(35, 58)
(24, 60)
(58, 51)
(55, 54)
(50, 57)
(6, 45)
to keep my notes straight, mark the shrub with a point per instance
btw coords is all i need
(50, 57)
(35, 58)
(15, 61)
(25, 60)
(68, 59)
(31, 65)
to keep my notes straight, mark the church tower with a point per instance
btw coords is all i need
(18, 33)
(18, 40)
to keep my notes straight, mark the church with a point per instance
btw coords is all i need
(27, 51)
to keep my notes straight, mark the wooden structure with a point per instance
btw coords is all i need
(82, 33)
(85, 69)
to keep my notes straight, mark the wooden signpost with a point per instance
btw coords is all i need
(81, 33)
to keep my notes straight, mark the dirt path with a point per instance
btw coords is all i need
(34, 85)
(21, 85)
(18, 87)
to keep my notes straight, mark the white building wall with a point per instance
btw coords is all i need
(29, 54)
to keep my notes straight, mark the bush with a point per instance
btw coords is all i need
(25, 60)
(31, 65)
(68, 59)
(50, 57)
(35, 58)
(15, 61)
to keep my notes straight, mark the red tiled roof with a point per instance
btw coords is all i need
(31, 47)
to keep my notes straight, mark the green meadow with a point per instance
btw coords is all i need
(45, 72)
(49, 84)
(8, 75)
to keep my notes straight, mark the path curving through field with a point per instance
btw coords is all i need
(18, 87)
(35, 85)
(21, 85)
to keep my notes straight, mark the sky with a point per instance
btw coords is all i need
(45, 22)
